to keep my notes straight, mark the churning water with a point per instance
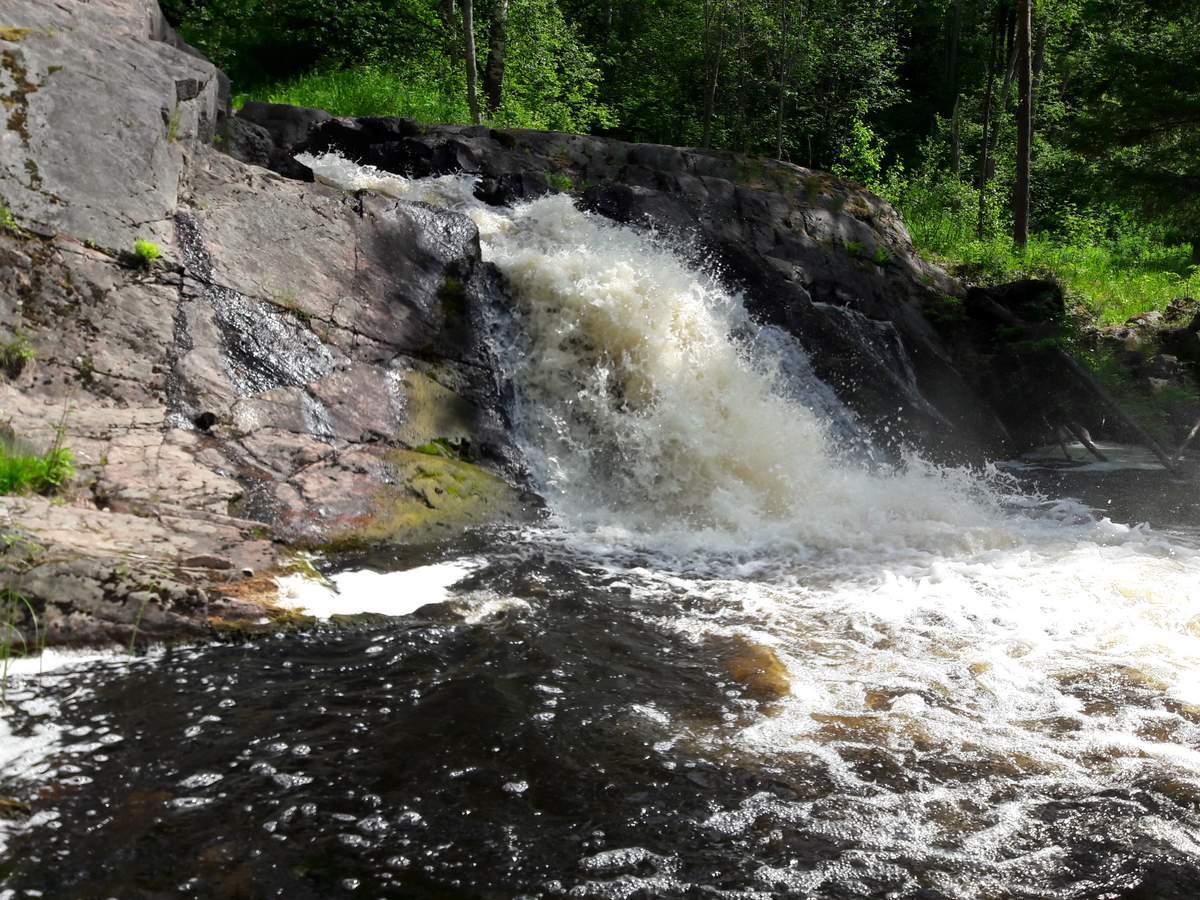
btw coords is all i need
(743, 658)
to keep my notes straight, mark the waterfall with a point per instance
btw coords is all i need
(654, 410)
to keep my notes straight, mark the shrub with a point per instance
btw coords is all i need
(146, 253)
(15, 354)
(1113, 267)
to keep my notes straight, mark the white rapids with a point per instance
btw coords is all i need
(933, 617)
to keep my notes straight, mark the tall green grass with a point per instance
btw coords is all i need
(1114, 272)
(370, 91)
(24, 472)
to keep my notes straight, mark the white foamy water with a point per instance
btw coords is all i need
(930, 616)
(363, 591)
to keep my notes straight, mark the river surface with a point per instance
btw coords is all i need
(742, 656)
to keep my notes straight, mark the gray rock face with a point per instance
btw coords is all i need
(258, 387)
(102, 113)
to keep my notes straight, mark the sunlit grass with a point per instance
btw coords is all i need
(1113, 279)
(370, 91)
(24, 472)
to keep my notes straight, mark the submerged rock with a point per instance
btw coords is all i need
(756, 669)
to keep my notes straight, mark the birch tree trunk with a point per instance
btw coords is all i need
(1024, 122)
(468, 10)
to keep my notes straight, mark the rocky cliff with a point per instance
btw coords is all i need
(266, 385)
(304, 367)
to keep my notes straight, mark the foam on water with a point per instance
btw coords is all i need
(927, 613)
(362, 591)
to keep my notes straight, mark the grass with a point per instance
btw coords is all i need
(13, 606)
(173, 125)
(1111, 277)
(369, 91)
(26, 473)
(146, 253)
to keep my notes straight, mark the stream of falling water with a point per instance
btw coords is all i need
(741, 660)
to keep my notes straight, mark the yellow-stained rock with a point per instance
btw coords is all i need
(758, 669)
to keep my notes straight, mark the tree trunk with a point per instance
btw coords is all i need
(493, 75)
(468, 10)
(449, 28)
(985, 150)
(953, 40)
(783, 59)
(956, 138)
(714, 49)
(1024, 123)
(1196, 251)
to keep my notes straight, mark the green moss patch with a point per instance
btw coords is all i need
(433, 495)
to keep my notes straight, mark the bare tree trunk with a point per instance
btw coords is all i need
(956, 137)
(743, 140)
(449, 28)
(1024, 122)
(1196, 251)
(953, 40)
(985, 151)
(468, 10)
(493, 75)
(714, 31)
(784, 24)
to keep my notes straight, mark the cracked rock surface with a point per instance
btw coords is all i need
(260, 388)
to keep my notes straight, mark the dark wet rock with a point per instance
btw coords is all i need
(247, 142)
(283, 125)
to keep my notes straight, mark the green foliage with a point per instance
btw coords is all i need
(372, 91)
(15, 354)
(173, 124)
(146, 253)
(560, 182)
(1113, 266)
(25, 473)
(8, 223)
(861, 155)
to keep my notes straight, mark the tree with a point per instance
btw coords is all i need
(468, 14)
(493, 74)
(1024, 122)
(1137, 91)
(714, 49)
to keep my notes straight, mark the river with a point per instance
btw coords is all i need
(742, 656)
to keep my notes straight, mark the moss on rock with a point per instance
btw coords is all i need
(432, 496)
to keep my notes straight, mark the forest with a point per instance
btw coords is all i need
(920, 100)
